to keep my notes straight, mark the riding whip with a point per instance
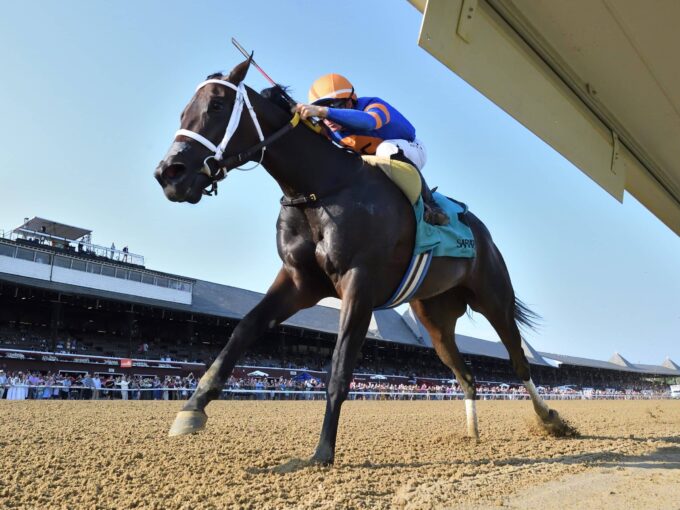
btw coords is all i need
(310, 123)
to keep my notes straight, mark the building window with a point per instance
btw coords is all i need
(94, 268)
(135, 276)
(62, 262)
(7, 251)
(24, 254)
(147, 278)
(108, 271)
(162, 282)
(78, 265)
(43, 258)
(121, 273)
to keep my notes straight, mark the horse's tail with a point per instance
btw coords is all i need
(525, 316)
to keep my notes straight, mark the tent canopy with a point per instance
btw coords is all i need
(53, 228)
(304, 376)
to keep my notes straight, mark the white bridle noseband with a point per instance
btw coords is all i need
(232, 125)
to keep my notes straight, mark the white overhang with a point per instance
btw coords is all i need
(598, 80)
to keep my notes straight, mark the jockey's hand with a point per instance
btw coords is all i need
(310, 110)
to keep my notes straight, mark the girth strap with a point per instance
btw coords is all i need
(299, 200)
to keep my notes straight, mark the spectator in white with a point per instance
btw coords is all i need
(17, 388)
(97, 383)
(123, 383)
(3, 383)
(113, 249)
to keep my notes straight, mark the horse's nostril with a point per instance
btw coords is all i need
(172, 172)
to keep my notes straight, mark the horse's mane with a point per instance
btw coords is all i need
(277, 95)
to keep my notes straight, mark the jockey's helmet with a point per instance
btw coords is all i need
(330, 90)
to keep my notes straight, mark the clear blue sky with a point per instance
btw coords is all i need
(90, 97)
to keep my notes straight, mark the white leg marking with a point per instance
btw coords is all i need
(535, 398)
(471, 415)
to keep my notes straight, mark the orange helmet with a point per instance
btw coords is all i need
(329, 87)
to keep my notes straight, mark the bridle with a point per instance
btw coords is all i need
(215, 166)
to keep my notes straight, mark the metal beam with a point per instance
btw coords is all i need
(488, 45)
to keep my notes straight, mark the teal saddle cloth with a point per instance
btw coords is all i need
(452, 240)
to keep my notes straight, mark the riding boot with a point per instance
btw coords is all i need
(434, 215)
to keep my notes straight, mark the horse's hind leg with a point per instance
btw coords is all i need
(439, 315)
(502, 318)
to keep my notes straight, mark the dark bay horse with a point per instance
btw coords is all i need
(344, 231)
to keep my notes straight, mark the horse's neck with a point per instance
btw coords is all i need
(305, 162)
(302, 161)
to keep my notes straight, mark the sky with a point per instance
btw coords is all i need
(90, 98)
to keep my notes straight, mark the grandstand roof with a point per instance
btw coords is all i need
(583, 362)
(610, 365)
(224, 300)
(657, 370)
(474, 346)
(617, 359)
(669, 363)
(53, 228)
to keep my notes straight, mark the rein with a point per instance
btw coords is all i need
(215, 166)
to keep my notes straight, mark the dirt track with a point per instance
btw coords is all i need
(409, 455)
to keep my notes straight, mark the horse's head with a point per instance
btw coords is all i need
(209, 123)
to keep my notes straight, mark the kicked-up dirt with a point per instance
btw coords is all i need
(402, 455)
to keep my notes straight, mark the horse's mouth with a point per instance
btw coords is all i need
(179, 185)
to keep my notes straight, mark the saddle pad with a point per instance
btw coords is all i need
(452, 240)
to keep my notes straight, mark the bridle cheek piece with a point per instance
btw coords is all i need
(215, 166)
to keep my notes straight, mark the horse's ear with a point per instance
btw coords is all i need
(238, 73)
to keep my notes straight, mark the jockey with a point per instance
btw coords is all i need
(369, 125)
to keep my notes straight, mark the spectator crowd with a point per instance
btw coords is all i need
(64, 386)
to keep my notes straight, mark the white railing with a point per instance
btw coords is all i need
(73, 246)
(83, 262)
(167, 393)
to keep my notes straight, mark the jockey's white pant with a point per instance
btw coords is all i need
(414, 151)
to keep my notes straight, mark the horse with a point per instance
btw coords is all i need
(344, 230)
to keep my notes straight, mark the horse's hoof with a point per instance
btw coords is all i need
(318, 461)
(555, 426)
(473, 437)
(188, 422)
(322, 458)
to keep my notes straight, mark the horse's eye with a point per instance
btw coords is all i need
(216, 105)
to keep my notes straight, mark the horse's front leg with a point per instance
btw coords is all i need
(355, 317)
(283, 299)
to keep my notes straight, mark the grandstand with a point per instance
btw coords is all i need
(69, 305)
